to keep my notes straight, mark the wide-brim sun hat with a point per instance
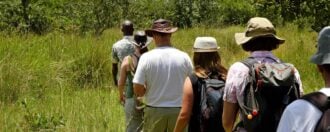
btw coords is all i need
(322, 56)
(205, 44)
(161, 26)
(142, 36)
(257, 27)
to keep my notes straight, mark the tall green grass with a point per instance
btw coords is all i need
(63, 81)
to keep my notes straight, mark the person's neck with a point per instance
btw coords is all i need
(137, 53)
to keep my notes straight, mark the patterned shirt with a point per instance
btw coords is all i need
(238, 74)
(121, 49)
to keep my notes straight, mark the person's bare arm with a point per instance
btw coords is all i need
(229, 115)
(114, 73)
(186, 109)
(139, 90)
(122, 80)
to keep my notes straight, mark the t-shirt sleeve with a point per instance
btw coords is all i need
(236, 80)
(140, 74)
(297, 75)
(114, 55)
(287, 122)
(189, 65)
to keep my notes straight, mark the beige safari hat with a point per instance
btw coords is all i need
(257, 27)
(205, 44)
(322, 56)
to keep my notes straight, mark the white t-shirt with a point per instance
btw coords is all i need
(301, 116)
(163, 70)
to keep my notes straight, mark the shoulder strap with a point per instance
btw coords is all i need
(318, 99)
(130, 65)
(249, 62)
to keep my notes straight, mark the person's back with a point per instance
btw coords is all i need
(122, 48)
(160, 76)
(301, 115)
(166, 69)
(203, 90)
(259, 39)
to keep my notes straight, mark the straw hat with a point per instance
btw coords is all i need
(205, 44)
(257, 27)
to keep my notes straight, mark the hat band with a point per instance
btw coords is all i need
(205, 49)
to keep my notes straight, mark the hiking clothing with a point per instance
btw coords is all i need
(134, 118)
(301, 116)
(163, 70)
(129, 93)
(238, 75)
(157, 119)
(121, 49)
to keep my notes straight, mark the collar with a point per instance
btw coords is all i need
(264, 56)
(326, 91)
(128, 37)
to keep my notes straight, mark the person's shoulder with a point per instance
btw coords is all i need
(299, 105)
(117, 43)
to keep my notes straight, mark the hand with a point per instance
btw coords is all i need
(122, 99)
(139, 103)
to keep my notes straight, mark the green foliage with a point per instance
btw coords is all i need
(65, 83)
(41, 122)
(40, 16)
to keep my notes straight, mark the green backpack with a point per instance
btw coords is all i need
(271, 87)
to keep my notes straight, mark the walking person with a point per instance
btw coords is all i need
(126, 95)
(246, 91)
(159, 77)
(122, 48)
(302, 115)
(207, 62)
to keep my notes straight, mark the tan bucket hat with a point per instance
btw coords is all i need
(205, 44)
(322, 56)
(257, 27)
(161, 26)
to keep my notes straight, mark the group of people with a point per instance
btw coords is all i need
(170, 83)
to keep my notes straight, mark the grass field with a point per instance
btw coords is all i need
(63, 82)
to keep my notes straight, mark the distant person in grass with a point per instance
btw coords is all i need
(122, 48)
(259, 40)
(127, 70)
(207, 62)
(301, 115)
(159, 77)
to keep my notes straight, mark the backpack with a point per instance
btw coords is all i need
(322, 102)
(209, 113)
(271, 87)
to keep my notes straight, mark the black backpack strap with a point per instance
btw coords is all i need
(318, 99)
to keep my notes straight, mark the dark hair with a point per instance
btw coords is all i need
(326, 67)
(141, 40)
(209, 62)
(261, 43)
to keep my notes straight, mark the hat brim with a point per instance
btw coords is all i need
(149, 40)
(320, 58)
(206, 50)
(150, 31)
(240, 38)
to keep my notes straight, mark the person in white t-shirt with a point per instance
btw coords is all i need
(301, 115)
(159, 77)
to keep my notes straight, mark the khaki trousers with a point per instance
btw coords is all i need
(160, 119)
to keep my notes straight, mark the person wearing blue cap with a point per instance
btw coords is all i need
(302, 115)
